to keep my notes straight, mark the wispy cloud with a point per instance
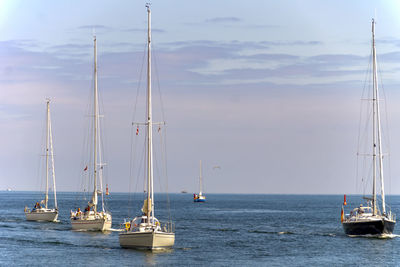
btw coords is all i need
(156, 30)
(94, 27)
(223, 20)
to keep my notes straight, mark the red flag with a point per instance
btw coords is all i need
(85, 169)
(137, 131)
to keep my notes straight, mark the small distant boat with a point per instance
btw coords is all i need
(91, 218)
(9, 189)
(183, 191)
(200, 197)
(39, 212)
(145, 231)
(368, 219)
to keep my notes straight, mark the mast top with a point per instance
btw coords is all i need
(148, 7)
(373, 26)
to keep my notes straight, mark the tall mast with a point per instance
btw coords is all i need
(94, 200)
(150, 193)
(376, 92)
(200, 181)
(52, 159)
(46, 198)
(373, 123)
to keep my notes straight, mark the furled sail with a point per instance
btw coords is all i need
(146, 205)
(93, 201)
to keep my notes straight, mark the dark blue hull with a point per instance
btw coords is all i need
(378, 227)
(199, 200)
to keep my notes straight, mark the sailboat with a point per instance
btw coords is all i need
(93, 218)
(369, 219)
(145, 231)
(39, 212)
(200, 197)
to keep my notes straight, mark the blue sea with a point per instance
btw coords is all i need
(227, 230)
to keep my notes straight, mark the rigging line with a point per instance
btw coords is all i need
(367, 72)
(140, 165)
(160, 166)
(387, 135)
(139, 84)
(103, 177)
(155, 55)
(80, 192)
(386, 139)
(133, 143)
(39, 178)
(130, 170)
(164, 160)
(132, 158)
(132, 166)
(156, 165)
(365, 137)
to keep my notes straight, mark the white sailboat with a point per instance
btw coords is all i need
(200, 197)
(145, 231)
(369, 219)
(92, 218)
(39, 212)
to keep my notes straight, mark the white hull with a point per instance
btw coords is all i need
(101, 222)
(48, 216)
(147, 240)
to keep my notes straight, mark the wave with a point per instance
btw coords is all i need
(255, 211)
(183, 248)
(56, 243)
(7, 226)
(225, 230)
(271, 232)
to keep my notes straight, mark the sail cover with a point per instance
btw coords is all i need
(93, 201)
(145, 205)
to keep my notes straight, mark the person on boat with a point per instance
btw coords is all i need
(127, 226)
(360, 210)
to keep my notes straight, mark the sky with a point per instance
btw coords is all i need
(269, 91)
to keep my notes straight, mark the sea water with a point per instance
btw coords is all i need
(227, 230)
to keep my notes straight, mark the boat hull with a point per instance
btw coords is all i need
(46, 216)
(91, 224)
(147, 240)
(199, 200)
(373, 227)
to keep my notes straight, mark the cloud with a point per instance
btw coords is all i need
(266, 101)
(223, 20)
(141, 30)
(95, 27)
(201, 62)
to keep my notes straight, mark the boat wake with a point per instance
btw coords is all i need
(115, 230)
(285, 233)
(271, 232)
(382, 236)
